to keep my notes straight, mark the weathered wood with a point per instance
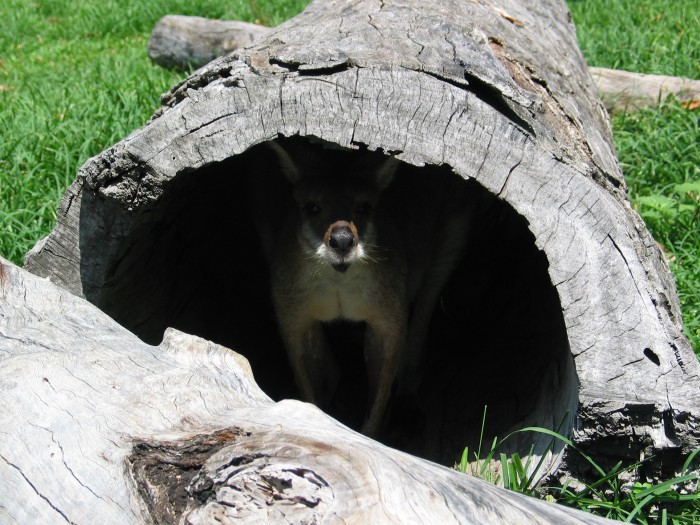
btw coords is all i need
(189, 41)
(628, 91)
(98, 426)
(563, 311)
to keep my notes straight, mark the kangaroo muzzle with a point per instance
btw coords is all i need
(342, 241)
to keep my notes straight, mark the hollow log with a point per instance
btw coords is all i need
(561, 313)
(188, 41)
(99, 426)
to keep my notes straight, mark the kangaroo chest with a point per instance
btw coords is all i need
(332, 295)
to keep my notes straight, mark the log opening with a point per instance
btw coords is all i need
(497, 337)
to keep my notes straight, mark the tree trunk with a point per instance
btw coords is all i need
(562, 313)
(191, 41)
(100, 427)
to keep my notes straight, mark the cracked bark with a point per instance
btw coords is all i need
(176, 42)
(157, 231)
(204, 445)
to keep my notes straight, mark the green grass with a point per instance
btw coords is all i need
(647, 36)
(610, 495)
(75, 79)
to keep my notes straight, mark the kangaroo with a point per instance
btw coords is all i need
(340, 252)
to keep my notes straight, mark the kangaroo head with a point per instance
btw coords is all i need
(337, 218)
(337, 193)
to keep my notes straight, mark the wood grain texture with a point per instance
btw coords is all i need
(500, 96)
(630, 91)
(184, 41)
(97, 425)
(189, 41)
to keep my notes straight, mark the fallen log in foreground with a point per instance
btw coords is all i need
(99, 427)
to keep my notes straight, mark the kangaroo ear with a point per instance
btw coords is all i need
(386, 171)
(289, 167)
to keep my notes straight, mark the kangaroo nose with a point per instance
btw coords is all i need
(341, 239)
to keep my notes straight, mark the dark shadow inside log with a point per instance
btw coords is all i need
(497, 336)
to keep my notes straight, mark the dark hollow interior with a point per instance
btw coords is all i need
(497, 335)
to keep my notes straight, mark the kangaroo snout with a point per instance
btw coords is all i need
(341, 238)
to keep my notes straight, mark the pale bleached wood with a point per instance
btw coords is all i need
(584, 325)
(190, 41)
(99, 427)
(629, 91)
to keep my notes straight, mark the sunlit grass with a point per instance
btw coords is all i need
(75, 79)
(647, 36)
(675, 501)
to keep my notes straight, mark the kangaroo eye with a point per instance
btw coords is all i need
(311, 208)
(364, 208)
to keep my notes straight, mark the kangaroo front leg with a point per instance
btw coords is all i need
(383, 345)
(315, 371)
